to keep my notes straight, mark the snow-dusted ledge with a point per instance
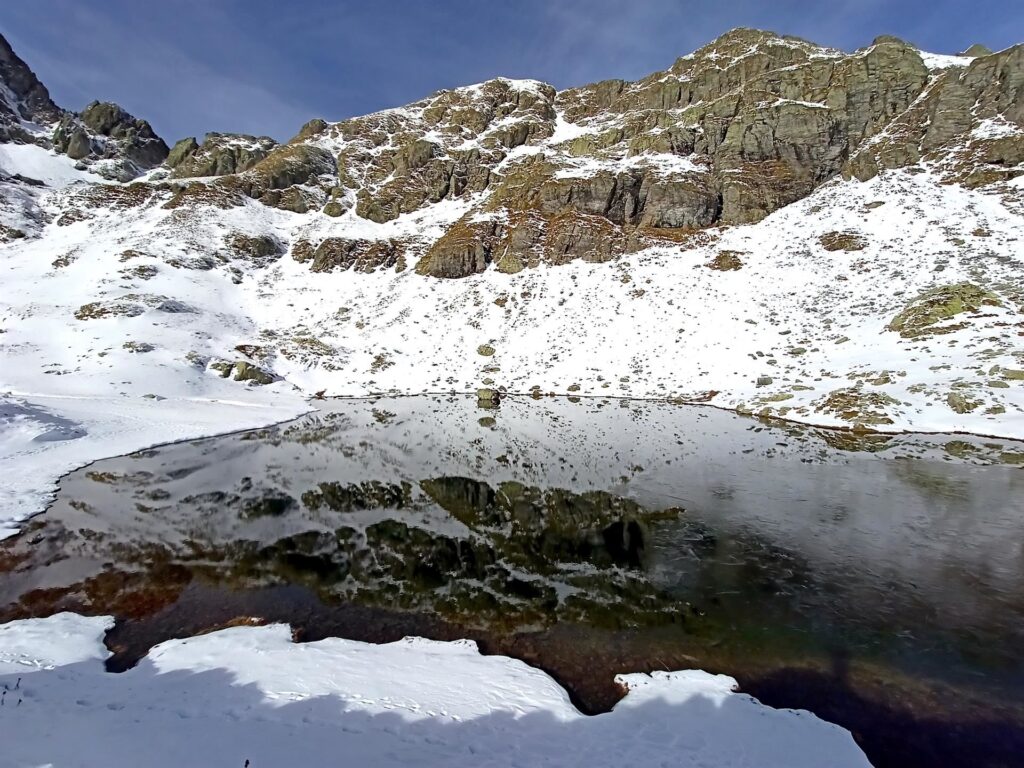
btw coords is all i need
(250, 693)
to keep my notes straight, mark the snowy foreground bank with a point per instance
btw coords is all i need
(250, 693)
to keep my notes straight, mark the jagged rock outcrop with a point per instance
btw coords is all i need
(293, 177)
(104, 138)
(120, 145)
(24, 99)
(738, 129)
(776, 120)
(970, 121)
(220, 154)
(393, 166)
(463, 250)
(341, 254)
(978, 50)
(256, 249)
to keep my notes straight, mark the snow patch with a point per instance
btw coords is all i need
(34, 645)
(250, 693)
(995, 128)
(937, 61)
(566, 131)
(42, 164)
(663, 163)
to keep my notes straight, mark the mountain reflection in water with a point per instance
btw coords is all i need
(589, 538)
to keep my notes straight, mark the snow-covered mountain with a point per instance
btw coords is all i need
(767, 225)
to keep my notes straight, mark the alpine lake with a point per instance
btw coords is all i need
(875, 580)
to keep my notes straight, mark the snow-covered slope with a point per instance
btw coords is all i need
(125, 300)
(250, 696)
(41, 164)
(749, 228)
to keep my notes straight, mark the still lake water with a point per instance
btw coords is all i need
(877, 581)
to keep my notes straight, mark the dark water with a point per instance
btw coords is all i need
(877, 581)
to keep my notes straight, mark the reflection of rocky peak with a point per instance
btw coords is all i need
(508, 550)
(553, 524)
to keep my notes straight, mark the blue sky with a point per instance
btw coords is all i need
(267, 66)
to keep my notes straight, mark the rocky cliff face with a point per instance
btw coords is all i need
(759, 185)
(727, 135)
(967, 121)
